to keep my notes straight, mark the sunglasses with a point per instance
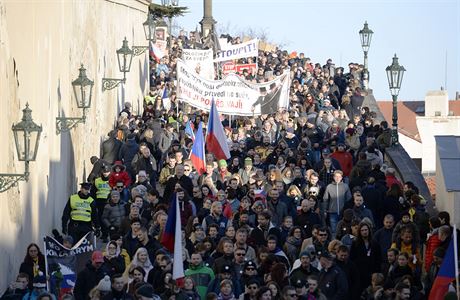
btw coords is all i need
(239, 254)
(253, 287)
(322, 234)
(292, 295)
(250, 269)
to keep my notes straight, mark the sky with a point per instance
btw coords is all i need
(421, 33)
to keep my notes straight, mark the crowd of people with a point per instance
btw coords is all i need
(305, 208)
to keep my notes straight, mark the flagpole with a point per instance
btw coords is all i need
(46, 266)
(456, 261)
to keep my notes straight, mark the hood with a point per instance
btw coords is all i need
(118, 163)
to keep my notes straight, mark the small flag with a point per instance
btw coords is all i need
(189, 130)
(155, 52)
(216, 140)
(165, 99)
(172, 238)
(198, 154)
(446, 273)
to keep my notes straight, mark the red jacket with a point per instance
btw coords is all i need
(345, 160)
(431, 244)
(391, 179)
(120, 176)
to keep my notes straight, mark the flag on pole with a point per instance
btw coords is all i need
(165, 99)
(172, 238)
(216, 140)
(197, 155)
(189, 130)
(447, 272)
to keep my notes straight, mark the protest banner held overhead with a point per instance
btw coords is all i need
(62, 262)
(233, 95)
(201, 61)
(230, 67)
(247, 49)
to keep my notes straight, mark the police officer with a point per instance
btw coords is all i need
(102, 190)
(80, 214)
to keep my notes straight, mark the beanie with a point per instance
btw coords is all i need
(104, 285)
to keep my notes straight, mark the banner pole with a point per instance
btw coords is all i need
(46, 266)
(456, 261)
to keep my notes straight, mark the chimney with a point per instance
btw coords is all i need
(436, 104)
(457, 95)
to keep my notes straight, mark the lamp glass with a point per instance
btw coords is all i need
(83, 89)
(150, 28)
(27, 136)
(366, 37)
(125, 57)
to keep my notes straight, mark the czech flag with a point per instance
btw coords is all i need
(189, 130)
(216, 140)
(198, 155)
(155, 52)
(172, 238)
(447, 272)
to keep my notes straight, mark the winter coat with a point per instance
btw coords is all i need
(333, 283)
(345, 160)
(88, 278)
(113, 215)
(431, 244)
(278, 210)
(361, 212)
(128, 151)
(110, 149)
(367, 260)
(383, 238)
(335, 196)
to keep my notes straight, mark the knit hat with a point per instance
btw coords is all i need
(304, 253)
(40, 281)
(222, 163)
(142, 173)
(104, 285)
(97, 256)
(248, 161)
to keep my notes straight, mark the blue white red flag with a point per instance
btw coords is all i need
(216, 141)
(172, 238)
(447, 272)
(189, 130)
(197, 156)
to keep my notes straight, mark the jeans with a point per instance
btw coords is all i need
(333, 220)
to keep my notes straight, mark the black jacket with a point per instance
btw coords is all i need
(87, 279)
(110, 149)
(333, 283)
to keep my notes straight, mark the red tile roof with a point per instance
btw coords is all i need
(407, 111)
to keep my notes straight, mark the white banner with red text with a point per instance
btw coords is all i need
(233, 94)
(201, 61)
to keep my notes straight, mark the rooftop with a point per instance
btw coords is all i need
(408, 111)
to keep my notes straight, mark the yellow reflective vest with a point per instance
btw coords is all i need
(102, 188)
(81, 208)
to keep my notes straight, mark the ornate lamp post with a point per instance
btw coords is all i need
(83, 92)
(150, 35)
(366, 36)
(26, 138)
(125, 57)
(395, 74)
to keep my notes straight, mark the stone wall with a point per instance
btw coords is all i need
(42, 44)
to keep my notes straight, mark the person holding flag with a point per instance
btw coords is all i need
(448, 271)
(216, 141)
(197, 156)
(172, 240)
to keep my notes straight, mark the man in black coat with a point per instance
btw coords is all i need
(110, 148)
(351, 271)
(332, 280)
(259, 234)
(98, 165)
(90, 276)
(179, 178)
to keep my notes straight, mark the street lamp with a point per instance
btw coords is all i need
(395, 74)
(83, 92)
(150, 34)
(366, 36)
(27, 137)
(125, 57)
(150, 28)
